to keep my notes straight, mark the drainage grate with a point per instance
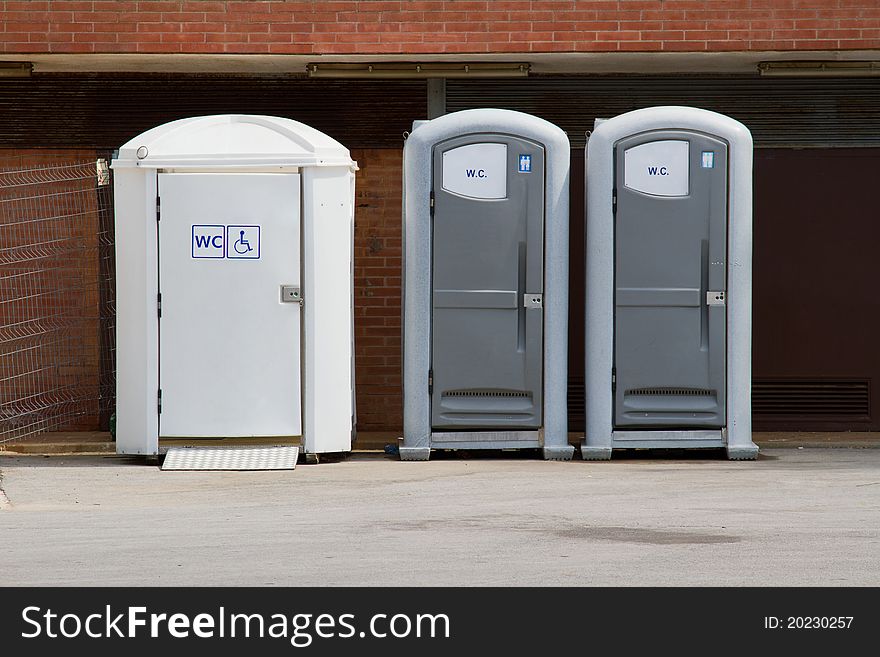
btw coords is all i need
(678, 392)
(487, 393)
(836, 397)
(231, 458)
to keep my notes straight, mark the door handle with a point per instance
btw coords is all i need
(520, 289)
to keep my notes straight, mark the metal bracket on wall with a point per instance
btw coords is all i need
(436, 88)
(103, 172)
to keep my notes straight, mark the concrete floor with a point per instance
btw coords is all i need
(794, 517)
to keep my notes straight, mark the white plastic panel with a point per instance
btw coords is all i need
(658, 167)
(137, 331)
(228, 139)
(476, 171)
(229, 348)
(327, 293)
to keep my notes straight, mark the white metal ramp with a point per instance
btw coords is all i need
(279, 457)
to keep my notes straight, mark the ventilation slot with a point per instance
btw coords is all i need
(576, 404)
(487, 393)
(814, 397)
(678, 392)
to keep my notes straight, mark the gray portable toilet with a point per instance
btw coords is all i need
(485, 284)
(668, 283)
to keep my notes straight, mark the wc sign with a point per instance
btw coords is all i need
(225, 242)
(660, 168)
(476, 170)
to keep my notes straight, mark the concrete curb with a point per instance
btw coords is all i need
(97, 443)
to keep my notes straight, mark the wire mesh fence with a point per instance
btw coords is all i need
(57, 314)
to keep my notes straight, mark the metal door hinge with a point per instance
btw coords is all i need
(291, 294)
(430, 382)
(432, 204)
(160, 401)
(613, 380)
(614, 201)
(158, 208)
(159, 304)
(533, 301)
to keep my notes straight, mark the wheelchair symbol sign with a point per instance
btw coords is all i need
(243, 242)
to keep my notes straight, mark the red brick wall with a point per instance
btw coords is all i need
(433, 26)
(377, 268)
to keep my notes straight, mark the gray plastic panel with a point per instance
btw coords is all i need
(670, 250)
(600, 434)
(418, 155)
(488, 253)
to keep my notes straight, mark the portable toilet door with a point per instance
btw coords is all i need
(485, 284)
(668, 290)
(234, 279)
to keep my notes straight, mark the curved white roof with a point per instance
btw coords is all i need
(233, 140)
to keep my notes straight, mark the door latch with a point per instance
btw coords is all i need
(717, 298)
(533, 301)
(291, 294)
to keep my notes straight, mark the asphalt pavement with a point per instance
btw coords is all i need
(794, 517)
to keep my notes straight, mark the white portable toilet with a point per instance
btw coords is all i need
(669, 283)
(485, 284)
(234, 244)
